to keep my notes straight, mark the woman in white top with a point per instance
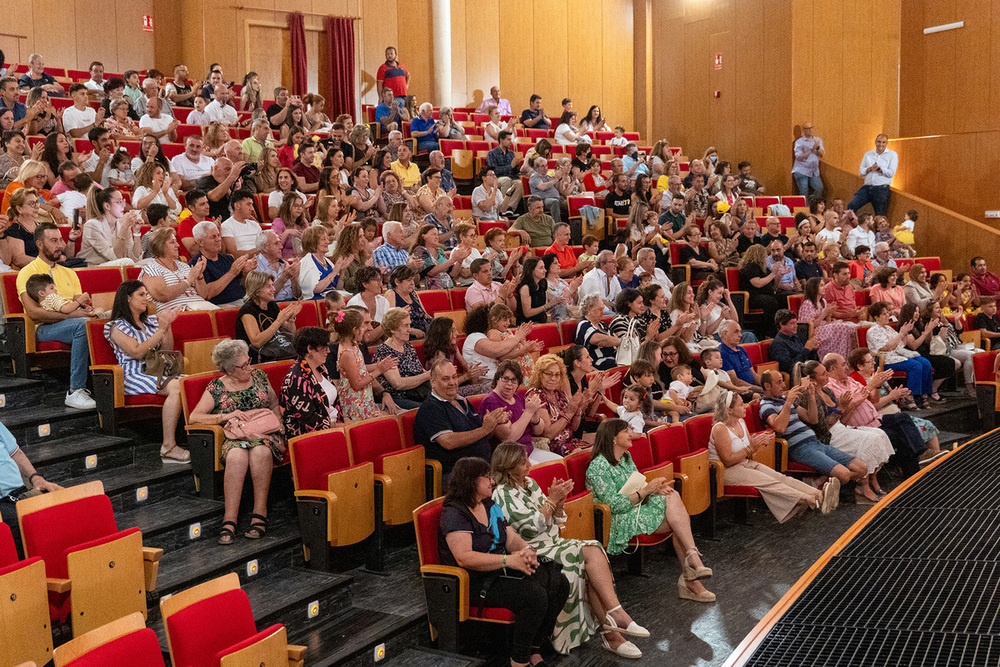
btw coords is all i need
(492, 129)
(170, 282)
(681, 303)
(153, 187)
(480, 348)
(112, 237)
(884, 340)
(369, 279)
(732, 444)
(567, 132)
(714, 307)
(594, 121)
(286, 183)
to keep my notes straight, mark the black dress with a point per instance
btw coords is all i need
(761, 297)
(265, 318)
(537, 293)
(701, 254)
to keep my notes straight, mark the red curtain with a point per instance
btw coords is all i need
(297, 29)
(340, 93)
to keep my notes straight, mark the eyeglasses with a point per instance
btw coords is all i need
(551, 374)
(508, 378)
(670, 354)
(31, 202)
(244, 366)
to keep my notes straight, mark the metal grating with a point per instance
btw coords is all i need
(919, 585)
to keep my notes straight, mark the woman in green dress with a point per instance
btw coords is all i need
(537, 518)
(654, 508)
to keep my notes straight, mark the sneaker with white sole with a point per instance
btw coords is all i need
(80, 400)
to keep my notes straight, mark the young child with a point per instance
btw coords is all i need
(591, 246)
(645, 280)
(619, 139)
(717, 379)
(120, 170)
(198, 116)
(42, 290)
(680, 387)
(334, 302)
(369, 227)
(72, 200)
(631, 408)
(904, 234)
(987, 320)
(643, 374)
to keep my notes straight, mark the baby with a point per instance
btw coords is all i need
(619, 139)
(631, 408)
(680, 387)
(42, 290)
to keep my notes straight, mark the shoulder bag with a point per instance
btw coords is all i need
(628, 349)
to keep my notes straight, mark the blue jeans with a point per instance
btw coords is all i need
(72, 331)
(919, 375)
(815, 454)
(803, 183)
(877, 195)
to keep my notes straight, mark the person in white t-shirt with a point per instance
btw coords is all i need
(79, 119)
(239, 232)
(830, 233)
(486, 198)
(156, 123)
(221, 109)
(466, 233)
(72, 200)
(96, 80)
(191, 164)
(98, 162)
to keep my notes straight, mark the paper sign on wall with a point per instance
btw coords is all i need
(718, 61)
(147, 23)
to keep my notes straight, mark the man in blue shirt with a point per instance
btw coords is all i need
(8, 100)
(425, 129)
(506, 164)
(388, 114)
(14, 467)
(222, 273)
(808, 267)
(735, 359)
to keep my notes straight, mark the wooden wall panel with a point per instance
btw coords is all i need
(133, 45)
(586, 80)
(482, 64)
(938, 70)
(459, 55)
(972, 72)
(18, 20)
(517, 39)
(617, 35)
(415, 39)
(375, 36)
(54, 33)
(548, 54)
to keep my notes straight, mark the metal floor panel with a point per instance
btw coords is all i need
(919, 585)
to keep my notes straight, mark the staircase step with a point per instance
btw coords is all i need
(20, 392)
(62, 458)
(162, 480)
(62, 421)
(165, 524)
(204, 559)
(351, 638)
(430, 657)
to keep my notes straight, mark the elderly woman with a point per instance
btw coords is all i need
(653, 508)
(262, 325)
(673, 353)
(121, 126)
(475, 535)
(592, 334)
(173, 283)
(537, 517)
(819, 409)
(449, 128)
(308, 397)
(317, 274)
(562, 413)
(886, 289)
(153, 186)
(133, 334)
(112, 238)
(439, 270)
(408, 383)
(402, 293)
(429, 193)
(369, 280)
(233, 400)
(523, 415)
(918, 290)
(732, 444)
(884, 340)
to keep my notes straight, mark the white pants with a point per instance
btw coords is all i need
(541, 456)
(965, 356)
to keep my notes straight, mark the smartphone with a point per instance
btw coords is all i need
(76, 219)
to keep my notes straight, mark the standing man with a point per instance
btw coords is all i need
(394, 76)
(808, 151)
(877, 167)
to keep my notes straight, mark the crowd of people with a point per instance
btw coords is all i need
(366, 226)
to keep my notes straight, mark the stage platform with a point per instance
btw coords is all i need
(915, 581)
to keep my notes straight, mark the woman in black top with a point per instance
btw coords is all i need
(630, 307)
(760, 283)
(260, 319)
(694, 255)
(402, 293)
(531, 293)
(503, 570)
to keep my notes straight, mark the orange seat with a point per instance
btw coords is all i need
(24, 607)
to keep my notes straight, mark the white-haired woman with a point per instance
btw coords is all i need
(229, 400)
(449, 128)
(171, 282)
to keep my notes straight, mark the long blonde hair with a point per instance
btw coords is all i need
(755, 254)
(506, 458)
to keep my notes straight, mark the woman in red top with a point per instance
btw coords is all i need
(593, 181)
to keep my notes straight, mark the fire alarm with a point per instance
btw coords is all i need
(717, 94)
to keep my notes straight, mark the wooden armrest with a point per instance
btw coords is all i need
(152, 554)
(436, 473)
(58, 585)
(296, 652)
(783, 463)
(213, 428)
(448, 570)
(316, 494)
(719, 470)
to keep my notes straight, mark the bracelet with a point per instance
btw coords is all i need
(504, 566)
(33, 476)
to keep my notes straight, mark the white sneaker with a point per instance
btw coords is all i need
(80, 400)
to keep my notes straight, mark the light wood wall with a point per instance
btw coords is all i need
(72, 33)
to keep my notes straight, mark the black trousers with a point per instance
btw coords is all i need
(536, 601)
(906, 440)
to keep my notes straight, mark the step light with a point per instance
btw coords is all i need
(142, 494)
(313, 609)
(194, 531)
(44, 430)
(252, 568)
(90, 462)
(380, 653)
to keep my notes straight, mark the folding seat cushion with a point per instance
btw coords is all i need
(137, 649)
(201, 630)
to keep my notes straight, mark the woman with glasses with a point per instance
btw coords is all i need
(561, 413)
(523, 413)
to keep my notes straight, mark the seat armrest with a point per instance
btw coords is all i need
(605, 511)
(296, 652)
(434, 466)
(719, 474)
(152, 554)
(58, 585)
(461, 576)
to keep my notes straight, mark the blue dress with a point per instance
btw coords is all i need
(136, 380)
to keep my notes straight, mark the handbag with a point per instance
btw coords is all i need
(279, 348)
(628, 349)
(259, 422)
(164, 365)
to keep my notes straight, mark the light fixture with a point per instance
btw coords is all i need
(943, 27)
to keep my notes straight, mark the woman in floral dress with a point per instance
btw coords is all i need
(537, 517)
(560, 414)
(356, 378)
(833, 335)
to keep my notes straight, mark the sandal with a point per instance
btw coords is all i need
(692, 573)
(258, 527)
(175, 455)
(227, 535)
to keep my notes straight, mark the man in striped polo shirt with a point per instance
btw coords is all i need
(393, 75)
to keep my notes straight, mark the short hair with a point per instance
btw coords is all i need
(783, 316)
(861, 249)
(226, 353)
(367, 274)
(677, 370)
(158, 239)
(558, 226)
(534, 98)
(641, 367)
(976, 259)
(727, 325)
(43, 227)
(838, 267)
(588, 302)
(744, 163)
(503, 134)
(202, 229)
(76, 87)
(96, 133)
(399, 274)
(239, 196)
(877, 308)
(534, 198)
(36, 283)
(82, 181)
(393, 319)
(511, 365)
(391, 226)
(492, 234)
(154, 212)
(478, 264)
(857, 357)
(590, 239)
(706, 353)
(310, 238)
(307, 338)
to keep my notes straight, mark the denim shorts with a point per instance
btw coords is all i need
(815, 454)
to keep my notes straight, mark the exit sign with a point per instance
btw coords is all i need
(718, 61)
(147, 23)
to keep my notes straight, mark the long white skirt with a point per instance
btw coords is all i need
(867, 444)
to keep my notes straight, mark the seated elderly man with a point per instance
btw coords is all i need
(221, 109)
(220, 185)
(285, 273)
(494, 100)
(259, 139)
(786, 348)
(446, 424)
(393, 252)
(646, 263)
(486, 290)
(602, 280)
(535, 227)
(151, 90)
(546, 188)
(440, 216)
(426, 130)
(883, 257)
(155, 123)
(436, 159)
(223, 274)
(395, 141)
(56, 326)
(735, 360)
(788, 283)
(569, 266)
(778, 411)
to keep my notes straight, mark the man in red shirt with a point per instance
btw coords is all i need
(840, 294)
(568, 264)
(984, 283)
(393, 75)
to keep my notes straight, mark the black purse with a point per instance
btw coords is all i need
(279, 348)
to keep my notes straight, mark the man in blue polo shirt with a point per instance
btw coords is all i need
(8, 100)
(446, 424)
(735, 359)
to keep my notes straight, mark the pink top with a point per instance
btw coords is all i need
(896, 296)
(841, 297)
(865, 414)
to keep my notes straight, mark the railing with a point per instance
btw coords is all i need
(939, 232)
